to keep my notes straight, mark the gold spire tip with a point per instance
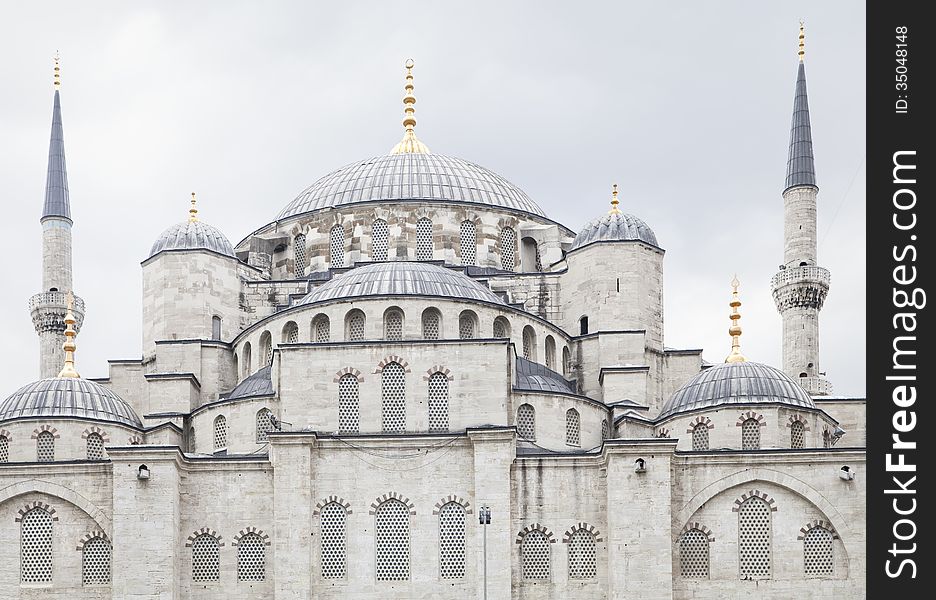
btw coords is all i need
(68, 369)
(614, 200)
(193, 211)
(802, 40)
(56, 81)
(409, 144)
(735, 330)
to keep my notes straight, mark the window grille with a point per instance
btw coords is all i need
(534, 556)
(206, 560)
(251, 558)
(572, 427)
(322, 328)
(817, 551)
(393, 325)
(694, 555)
(501, 328)
(508, 249)
(469, 243)
(220, 432)
(529, 343)
(526, 422)
(452, 541)
(264, 424)
(550, 353)
(36, 547)
(96, 562)
(605, 430)
(750, 435)
(299, 254)
(754, 533)
(95, 447)
(797, 435)
(393, 391)
(466, 326)
(356, 326)
(393, 541)
(334, 555)
(431, 320)
(348, 404)
(45, 447)
(4, 449)
(700, 437)
(380, 241)
(291, 333)
(583, 561)
(438, 402)
(336, 246)
(424, 239)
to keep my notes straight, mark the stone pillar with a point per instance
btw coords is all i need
(291, 457)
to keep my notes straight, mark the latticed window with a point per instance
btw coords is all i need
(96, 562)
(700, 437)
(508, 249)
(381, 240)
(573, 427)
(356, 326)
(266, 349)
(299, 254)
(393, 541)
(393, 394)
(605, 429)
(291, 333)
(45, 447)
(550, 353)
(694, 554)
(336, 246)
(534, 555)
(750, 435)
(754, 533)
(467, 325)
(797, 435)
(334, 555)
(469, 243)
(424, 239)
(452, 541)
(583, 560)
(529, 343)
(538, 259)
(95, 447)
(4, 449)
(393, 325)
(264, 424)
(322, 328)
(431, 324)
(348, 404)
(36, 547)
(220, 432)
(206, 559)
(251, 558)
(526, 422)
(501, 328)
(817, 552)
(438, 402)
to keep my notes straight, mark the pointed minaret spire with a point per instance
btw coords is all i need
(801, 168)
(56, 195)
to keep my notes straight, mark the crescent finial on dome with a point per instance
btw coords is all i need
(56, 81)
(409, 144)
(193, 211)
(802, 41)
(735, 330)
(614, 201)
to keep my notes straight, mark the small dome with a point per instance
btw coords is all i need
(68, 397)
(258, 384)
(615, 227)
(737, 383)
(402, 279)
(192, 235)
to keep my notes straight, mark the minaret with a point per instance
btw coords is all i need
(800, 287)
(49, 307)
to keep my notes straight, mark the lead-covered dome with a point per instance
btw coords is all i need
(411, 177)
(615, 227)
(402, 279)
(192, 235)
(737, 383)
(68, 397)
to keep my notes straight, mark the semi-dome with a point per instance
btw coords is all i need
(401, 279)
(615, 227)
(68, 397)
(258, 384)
(411, 176)
(192, 235)
(737, 383)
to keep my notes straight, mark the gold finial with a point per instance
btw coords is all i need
(56, 82)
(193, 212)
(735, 330)
(802, 40)
(614, 201)
(68, 369)
(409, 144)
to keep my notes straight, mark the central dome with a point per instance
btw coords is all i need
(411, 177)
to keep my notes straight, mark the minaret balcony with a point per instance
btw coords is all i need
(48, 309)
(816, 386)
(797, 287)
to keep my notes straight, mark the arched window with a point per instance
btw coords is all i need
(583, 560)
(529, 343)
(45, 447)
(438, 402)
(750, 435)
(95, 446)
(700, 437)
(469, 243)
(431, 324)
(206, 559)
(605, 430)
(380, 240)
(826, 439)
(336, 245)
(96, 562)
(467, 325)
(332, 520)
(299, 254)
(348, 404)
(220, 433)
(4, 449)
(452, 541)
(501, 327)
(266, 349)
(550, 353)
(817, 551)
(290, 333)
(321, 328)
(583, 325)
(216, 327)
(354, 326)
(508, 244)
(526, 422)
(566, 361)
(424, 239)
(393, 324)
(393, 541)
(694, 554)
(530, 256)
(264, 424)
(36, 547)
(534, 555)
(573, 426)
(754, 533)
(797, 435)
(251, 558)
(245, 362)
(393, 393)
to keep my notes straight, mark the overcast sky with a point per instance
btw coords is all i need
(686, 105)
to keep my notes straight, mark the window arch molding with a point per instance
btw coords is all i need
(248, 531)
(332, 513)
(694, 550)
(203, 531)
(96, 558)
(393, 358)
(536, 527)
(33, 506)
(582, 540)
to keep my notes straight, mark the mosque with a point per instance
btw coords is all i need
(413, 383)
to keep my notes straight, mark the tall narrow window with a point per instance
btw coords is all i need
(299, 254)
(216, 327)
(336, 245)
(526, 422)
(354, 326)
(550, 353)
(529, 255)
(251, 558)
(605, 430)
(797, 435)
(573, 427)
(534, 556)
(750, 435)
(96, 562)
(583, 560)
(381, 240)
(393, 325)
(220, 433)
(469, 243)
(566, 361)
(246, 360)
(45, 447)
(291, 333)
(348, 404)
(264, 425)
(694, 554)
(36, 547)
(452, 541)
(4, 449)
(424, 239)
(501, 327)
(529, 343)
(438, 402)
(393, 392)
(321, 328)
(334, 545)
(431, 324)
(393, 541)
(817, 552)
(467, 325)
(754, 533)
(95, 446)
(700, 437)
(206, 559)
(266, 349)
(583, 326)
(508, 244)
